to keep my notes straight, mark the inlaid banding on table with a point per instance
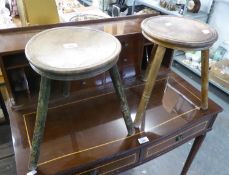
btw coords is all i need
(152, 150)
(114, 141)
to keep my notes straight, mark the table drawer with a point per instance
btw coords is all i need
(154, 150)
(113, 166)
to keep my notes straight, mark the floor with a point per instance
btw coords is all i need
(7, 163)
(212, 159)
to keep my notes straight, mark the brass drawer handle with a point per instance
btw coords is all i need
(179, 138)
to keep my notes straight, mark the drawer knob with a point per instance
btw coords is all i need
(179, 138)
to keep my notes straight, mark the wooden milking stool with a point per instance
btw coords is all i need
(175, 33)
(71, 53)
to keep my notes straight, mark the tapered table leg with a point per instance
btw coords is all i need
(122, 98)
(42, 108)
(195, 147)
(151, 78)
(204, 78)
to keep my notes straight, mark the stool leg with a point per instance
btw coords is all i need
(66, 88)
(42, 108)
(154, 49)
(151, 78)
(122, 98)
(204, 78)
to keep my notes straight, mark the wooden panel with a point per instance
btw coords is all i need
(132, 52)
(152, 151)
(113, 166)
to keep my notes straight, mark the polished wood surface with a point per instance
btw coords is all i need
(13, 40)
(72, 53)
(179, 32)
(80, 139)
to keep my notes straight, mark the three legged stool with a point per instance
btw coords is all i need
(71, 53)
(175, 33)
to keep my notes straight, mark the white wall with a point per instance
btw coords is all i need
(220, 21)
(205, 5)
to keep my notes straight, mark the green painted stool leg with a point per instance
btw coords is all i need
(122, 98)
(42, 108)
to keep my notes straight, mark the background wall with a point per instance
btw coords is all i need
(205, 5)
(219, 19)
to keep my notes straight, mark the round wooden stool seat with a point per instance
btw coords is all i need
(178, 33)
(72, 53)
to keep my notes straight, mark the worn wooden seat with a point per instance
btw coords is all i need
(175, 33)
(71, 53)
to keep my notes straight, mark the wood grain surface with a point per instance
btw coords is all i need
(72, 50)
(179, 32)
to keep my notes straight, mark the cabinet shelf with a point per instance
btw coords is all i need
(180, 59)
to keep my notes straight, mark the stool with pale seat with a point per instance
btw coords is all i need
(175, 33)
(72, 53)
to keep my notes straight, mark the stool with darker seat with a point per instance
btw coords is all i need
(175, 33)
(72, 53)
